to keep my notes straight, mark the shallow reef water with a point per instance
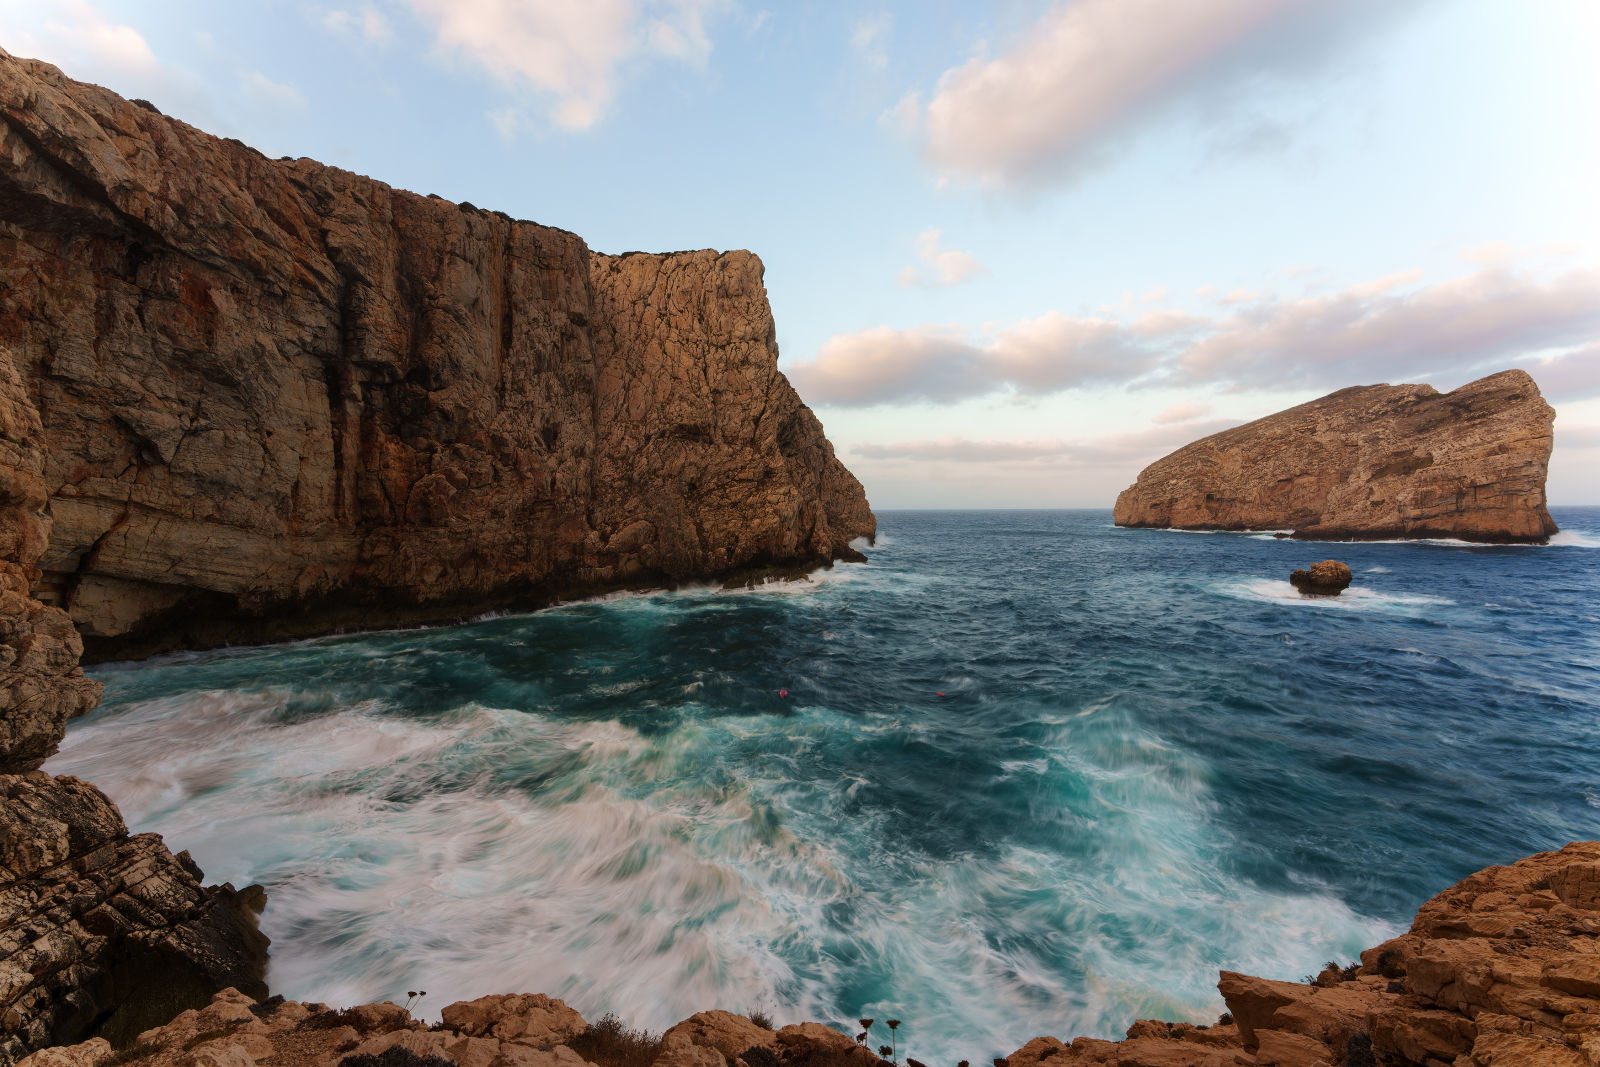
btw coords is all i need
(1033, 774)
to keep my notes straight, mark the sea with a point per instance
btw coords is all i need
(1021, 773)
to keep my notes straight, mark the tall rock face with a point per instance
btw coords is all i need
(1372, 462)
(278, 398)
(101, 932)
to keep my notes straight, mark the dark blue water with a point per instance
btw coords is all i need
(1033, 774)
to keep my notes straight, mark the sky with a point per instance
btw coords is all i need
(1015, 250)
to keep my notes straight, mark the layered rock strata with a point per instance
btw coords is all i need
(1372, 462)
(1500, 970)
(100, 932)
(279, 398)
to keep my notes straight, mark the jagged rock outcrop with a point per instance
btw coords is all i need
(234, 1030)
(1371, 462)
(279, 398)
(100, 931)
(1500, 970)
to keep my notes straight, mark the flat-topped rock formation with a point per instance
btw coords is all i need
(1367, 463)
(1500, 970)
(279, 398)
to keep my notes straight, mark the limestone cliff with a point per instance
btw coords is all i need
(1372, 462)
(278, 398)
(100, 931)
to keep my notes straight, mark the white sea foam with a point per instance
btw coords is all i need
(1354, 598)
(485, 850)
(1574, 539)
(1377, 570)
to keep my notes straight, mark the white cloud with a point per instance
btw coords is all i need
(77, 36)
(1182, 411)
(1391, 329)
(1090, 70)
(570, 56)
(367, 23)
(869, 36)
(277, 94)
(946, 266)
(1116, 450)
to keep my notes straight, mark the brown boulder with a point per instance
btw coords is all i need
(1328, 577)
(531, 1019)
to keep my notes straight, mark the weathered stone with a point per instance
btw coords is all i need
(531, 1019)
(1328, 577)
(90, 1053)
(1378, 461)
(280, 398)
(122, 935)
(724, 1031)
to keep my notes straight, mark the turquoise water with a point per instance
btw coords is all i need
(1032, 774)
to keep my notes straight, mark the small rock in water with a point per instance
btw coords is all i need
(1327, 578)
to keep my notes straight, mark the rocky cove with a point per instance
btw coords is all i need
(287, 399)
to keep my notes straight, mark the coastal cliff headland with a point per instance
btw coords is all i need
(243, 399)
(1367, 463)
(279, 399)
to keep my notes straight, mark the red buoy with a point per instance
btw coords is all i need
(783, 692)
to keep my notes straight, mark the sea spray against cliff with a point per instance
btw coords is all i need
(1132, 780)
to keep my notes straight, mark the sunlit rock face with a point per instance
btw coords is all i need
(1372, 462)
(279, 398)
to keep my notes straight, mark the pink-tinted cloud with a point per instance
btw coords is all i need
(1390, 329)
(1117, 450)
(1090, 70)
(1380, 332)
(942, 266)
(569, 55)
(944, 364)
(1182, 411)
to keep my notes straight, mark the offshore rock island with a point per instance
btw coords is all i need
(1367, 463)
(279, 399)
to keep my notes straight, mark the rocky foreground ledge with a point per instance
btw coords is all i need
(1370, 462)
(1500, 970)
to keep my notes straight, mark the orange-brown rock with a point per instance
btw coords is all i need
(1371, 462)
(1326, 577)
(279, 398)
(1500, 970)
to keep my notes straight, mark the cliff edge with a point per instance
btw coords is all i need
(1367, 463)
(279, 399)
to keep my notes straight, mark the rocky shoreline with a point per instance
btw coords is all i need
(1500, 970)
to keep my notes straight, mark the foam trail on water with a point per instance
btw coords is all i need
(485, 850)
(1354, 598)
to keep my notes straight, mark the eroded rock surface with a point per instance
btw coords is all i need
(1327, 577)
(235, 1030)
(1380, 461)
(1500, 970)
(279, 398)
(102, 932)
